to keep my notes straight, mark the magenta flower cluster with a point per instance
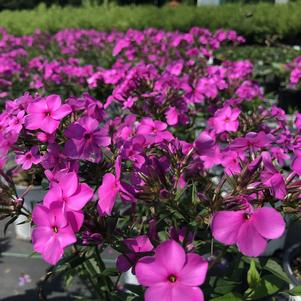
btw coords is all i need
(165, 154)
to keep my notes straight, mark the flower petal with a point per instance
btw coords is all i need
(194, 271)
(107, 194)
(171, 256)
(52, 252)
(249, 241)
(159, 292)
(186, 293)
(81, 197)
(34, 121)
(69, 184)
(124, 263)
(40, 215)
(60, 113)
(53, 102)
(37, 107)
(268, 222)
(54, 194)
(66, 236)
(226, 224)
(57, 215)
(49, 125)
(40, 236)
(150, 272)
(75, 219)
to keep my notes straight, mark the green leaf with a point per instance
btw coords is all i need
(268, 286)
(296, 291)
(136, 289)
(276, 269)
(269, 265)
(68, 279)
(253, 276)
(229, 297)
(109, 272)
(8, 223)
(223, 287)
(195, 199)
(180, 192)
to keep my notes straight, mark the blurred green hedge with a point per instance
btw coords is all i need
(29, 4)
(260, 23)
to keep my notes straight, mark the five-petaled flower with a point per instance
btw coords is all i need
(172, 274)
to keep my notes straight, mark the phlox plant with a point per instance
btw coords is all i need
(176, 162)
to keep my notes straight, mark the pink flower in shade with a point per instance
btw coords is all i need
(183, 235)
(86, 139)
(135, 245)
(107, 194)
(16, 122)
(172, 116)
(253, 141)
(46, 114)
(296, 164)
(52, 233)
(295, 76)
(172, 274)
(226, 120)
(72, 194)
(279, 154)
(208, 150)
(2, 161)
(208, 87)
(133, 150)
(248, 230)
(109, 189)
(29, 158)
(175, 68)
(272, 178)
(298, 121)
(153, 130)
(232, 162)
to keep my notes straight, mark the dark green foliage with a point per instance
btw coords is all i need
(29, 4)
(260, 23)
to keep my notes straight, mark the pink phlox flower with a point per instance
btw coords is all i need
(86, 139)
(272, 178)
(46, 114)
(226, 120)
(72, 194)
(135, 245)
(134, 150)
(253, 141)
(154, 130)
(172, 116)
(16, 122)
(53, 232)
(232, 162)
(172, 274)
(109, 190)
(32, 157)
(208, 150)
(249, 230)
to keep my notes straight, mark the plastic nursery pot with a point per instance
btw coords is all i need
(290, 263)
(33, 196)
(130, 278)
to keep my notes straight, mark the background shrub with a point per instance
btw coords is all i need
(262, 23)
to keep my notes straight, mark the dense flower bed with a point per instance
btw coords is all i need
(146, 144)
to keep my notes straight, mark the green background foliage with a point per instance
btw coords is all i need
(259, 23)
